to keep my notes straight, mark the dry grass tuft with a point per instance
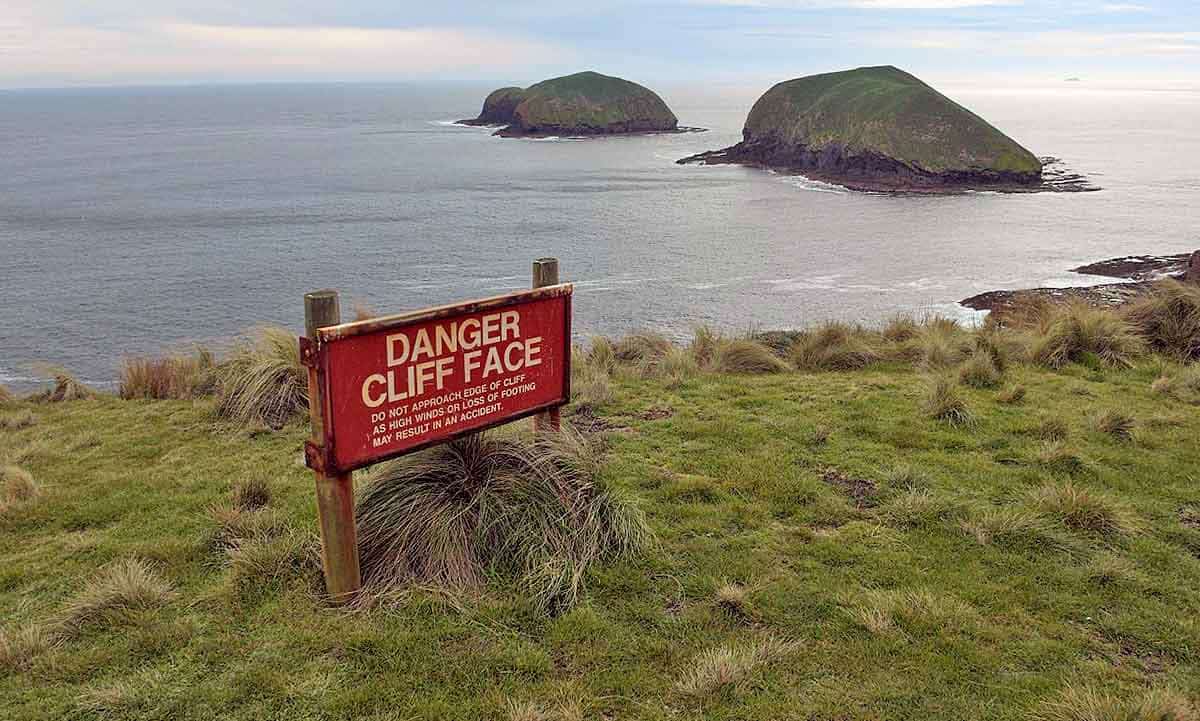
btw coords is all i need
(1010, 528)
(18, 421)
(591, 374)
(535, 508)
(66, 388)
(1052, 429)
(672, 368)
(235, 524)
(917, 508)
(1084, 510)
(727, 669)
(1116, 424)
(1057, 457)
(264, 382)
(980, 371)
(944, 403)
(125, 586)
(1082, 704)
(1011, 396)
(704, 345)
(639, 347)
(900, 328)
(6, 396)
(1169, 319)
(882, 611)
(524, 711)
(833, 347)
(1184, 385)
(940, 343)
(734, 599)
(270, 559)
(250, 494)
(171, 377)
(16, 487)
(21, 647)
(1077, 332)
(742, 355)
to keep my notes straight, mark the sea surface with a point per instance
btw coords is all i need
(136, 221)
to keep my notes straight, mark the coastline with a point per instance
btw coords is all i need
(1055, 177)
(1137, 273)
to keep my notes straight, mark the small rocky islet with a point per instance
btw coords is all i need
(583, 104)
(882, 129)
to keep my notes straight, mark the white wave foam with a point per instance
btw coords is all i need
(817, 186)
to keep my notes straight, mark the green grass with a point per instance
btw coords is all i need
(987, 575)
(887, 111)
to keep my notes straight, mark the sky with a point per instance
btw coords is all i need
(1129, 43)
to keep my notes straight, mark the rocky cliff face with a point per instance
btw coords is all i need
(877, 128)
(498, 107)
(585, 103)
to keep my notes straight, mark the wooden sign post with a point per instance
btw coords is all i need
(383, 387)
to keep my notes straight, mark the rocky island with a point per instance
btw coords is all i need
(582, 104)
(878, 129)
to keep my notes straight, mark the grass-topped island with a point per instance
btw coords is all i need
(914, 521)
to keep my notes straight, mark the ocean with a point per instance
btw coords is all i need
(138, 221)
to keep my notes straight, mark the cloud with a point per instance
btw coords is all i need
(860, 4)
(174, 49)
(1124, 8)
(1048, 44)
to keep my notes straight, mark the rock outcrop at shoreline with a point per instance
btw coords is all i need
(498, 107)
(1139, 272)
(582, 104)
(878, 129)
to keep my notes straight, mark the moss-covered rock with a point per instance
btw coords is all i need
(877, 127)
(585, 103)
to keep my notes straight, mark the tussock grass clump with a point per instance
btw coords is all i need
(171, 377)
(18, 421)
(21, 647)
(536, 509)
(1116, 424)
(638, 347)
(1057, 457)
(1012, 395)
(263, 382)
(1010, 528)
(944, 403)
(833, 347)
(591, 375)
(1078, 332)
(270, 559)
(940, 343)
(980, 371)
(734, 600)
(742, 355)
(1169, 318)
(672, 367)
(250, 494)
(1052, 429)
(524, 711)
(1083, 704)
(1184, 385)
(900, 328)
(727, 669)
(66, 388)
(704, 345)
(1087, 511)
(922, 610)
(16, 486)
(235, 523)
(917, 508)
(127, 585)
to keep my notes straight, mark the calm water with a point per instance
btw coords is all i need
(133, 221)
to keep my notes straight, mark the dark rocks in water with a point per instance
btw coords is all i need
(498, 107)
(582, 104)
(878, 129)
(1141, 272)
(1193, 271)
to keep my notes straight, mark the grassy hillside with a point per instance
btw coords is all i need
(887, 111)
(589, 100)
(919, 522)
